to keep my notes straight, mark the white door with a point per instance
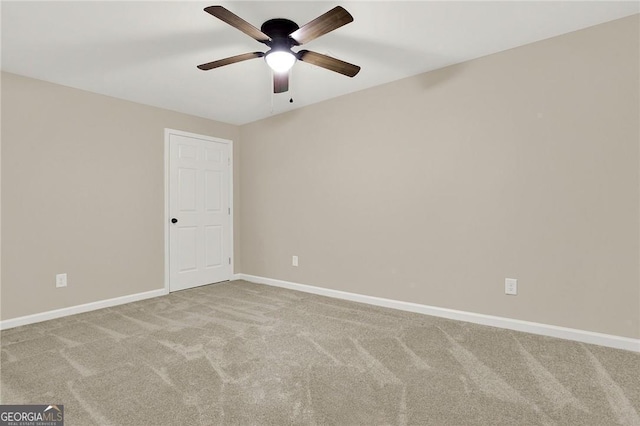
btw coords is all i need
(199, 211)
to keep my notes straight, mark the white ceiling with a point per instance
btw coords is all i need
(147, 51)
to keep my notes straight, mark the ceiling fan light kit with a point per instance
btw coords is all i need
(280, 60)
(281, 35)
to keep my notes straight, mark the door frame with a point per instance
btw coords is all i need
(167, 134)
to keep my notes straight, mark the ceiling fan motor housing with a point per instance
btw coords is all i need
(278, 30)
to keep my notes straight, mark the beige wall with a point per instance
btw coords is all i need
(83, 193)
(433, 189)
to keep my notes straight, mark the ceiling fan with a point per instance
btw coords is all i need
(281, 35)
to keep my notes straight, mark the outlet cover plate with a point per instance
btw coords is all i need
(61, 280)
(511, 286)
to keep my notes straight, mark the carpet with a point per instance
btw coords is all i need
(248, 354)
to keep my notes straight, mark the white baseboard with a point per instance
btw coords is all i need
(583, 336)
(78, 309)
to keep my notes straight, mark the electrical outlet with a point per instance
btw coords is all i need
(294, 261)
(511, 286)
(61, 280)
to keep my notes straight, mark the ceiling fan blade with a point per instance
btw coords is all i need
(333, 19)
(230, 60)
(328, 62)
(237, 22)
(280, 82)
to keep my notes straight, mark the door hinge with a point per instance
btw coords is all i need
(229, 210)
(229, 161)
(229, 261)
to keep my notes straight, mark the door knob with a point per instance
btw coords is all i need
(174, 220)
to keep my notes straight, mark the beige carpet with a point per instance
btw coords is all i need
(242, 353)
